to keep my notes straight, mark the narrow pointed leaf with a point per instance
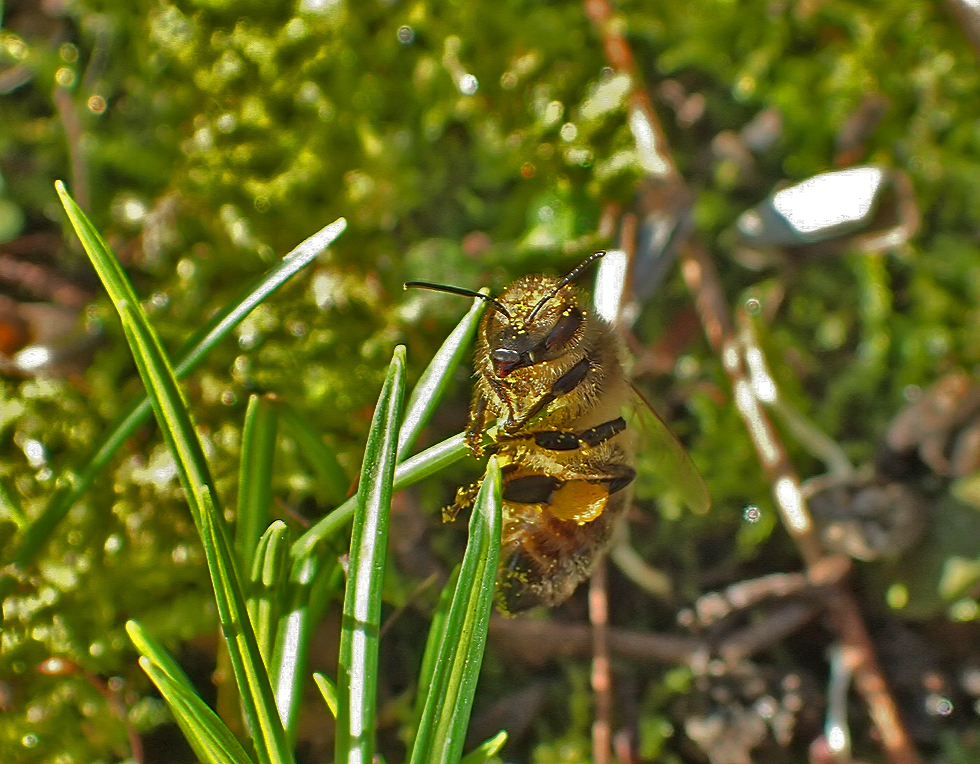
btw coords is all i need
(177, 428)
(211, 740)
(486, 750)
(161, 384)
(328, 690)
(154, 651)
(357, 672)
(255, 476)
(267, 587)
(442, 730)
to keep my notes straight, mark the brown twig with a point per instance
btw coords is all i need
(601, 671)
(620, 57)
(769, 631)
(701, 276)
(714, 607)
(42, 281)
(536, 642)
(702, 279)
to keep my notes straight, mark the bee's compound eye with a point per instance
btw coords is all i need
(566, 327)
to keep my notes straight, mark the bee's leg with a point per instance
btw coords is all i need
(465, 496)
(618, 477)
(563, 386)
(579, 497)
(615, 477)
(540, 489)
(477, 425)
(531, 489)
(561, 440)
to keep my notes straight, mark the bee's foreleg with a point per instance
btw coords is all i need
(477, 425)
(465, 496)
(562, 386)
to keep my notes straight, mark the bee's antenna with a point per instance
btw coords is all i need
(495, 304)
(565, 282)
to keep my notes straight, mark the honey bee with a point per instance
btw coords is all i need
(552, 372)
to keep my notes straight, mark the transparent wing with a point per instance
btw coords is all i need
(662, 459)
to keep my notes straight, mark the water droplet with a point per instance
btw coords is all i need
(96, 104)
(468, 84)
(406, 35)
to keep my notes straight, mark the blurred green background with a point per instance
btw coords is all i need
(465, 143)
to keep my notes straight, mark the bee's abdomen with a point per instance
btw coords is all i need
(543, 558)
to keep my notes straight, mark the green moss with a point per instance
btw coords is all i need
(231, 129)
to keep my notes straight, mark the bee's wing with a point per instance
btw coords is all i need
(673, 465)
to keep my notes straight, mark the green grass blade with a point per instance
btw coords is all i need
(442, 730)
(172, 413)
(211, 739)
(334, 484)
(110, 272)
(433, 642)
(154, 368)
(10, 507)
(436, 378)
(357, 672)
(154, 651)
(291, 654)
(217, 328)
(175, 423)
(407, 473)
(258, 702)
(255, 476)
(328, 690)
(267, 588)
(486, 750)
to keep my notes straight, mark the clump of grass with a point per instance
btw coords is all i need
(269, 589)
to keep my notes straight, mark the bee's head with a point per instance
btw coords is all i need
(542, 319)
(533, 320)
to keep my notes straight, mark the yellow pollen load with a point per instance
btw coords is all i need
(579, 501)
